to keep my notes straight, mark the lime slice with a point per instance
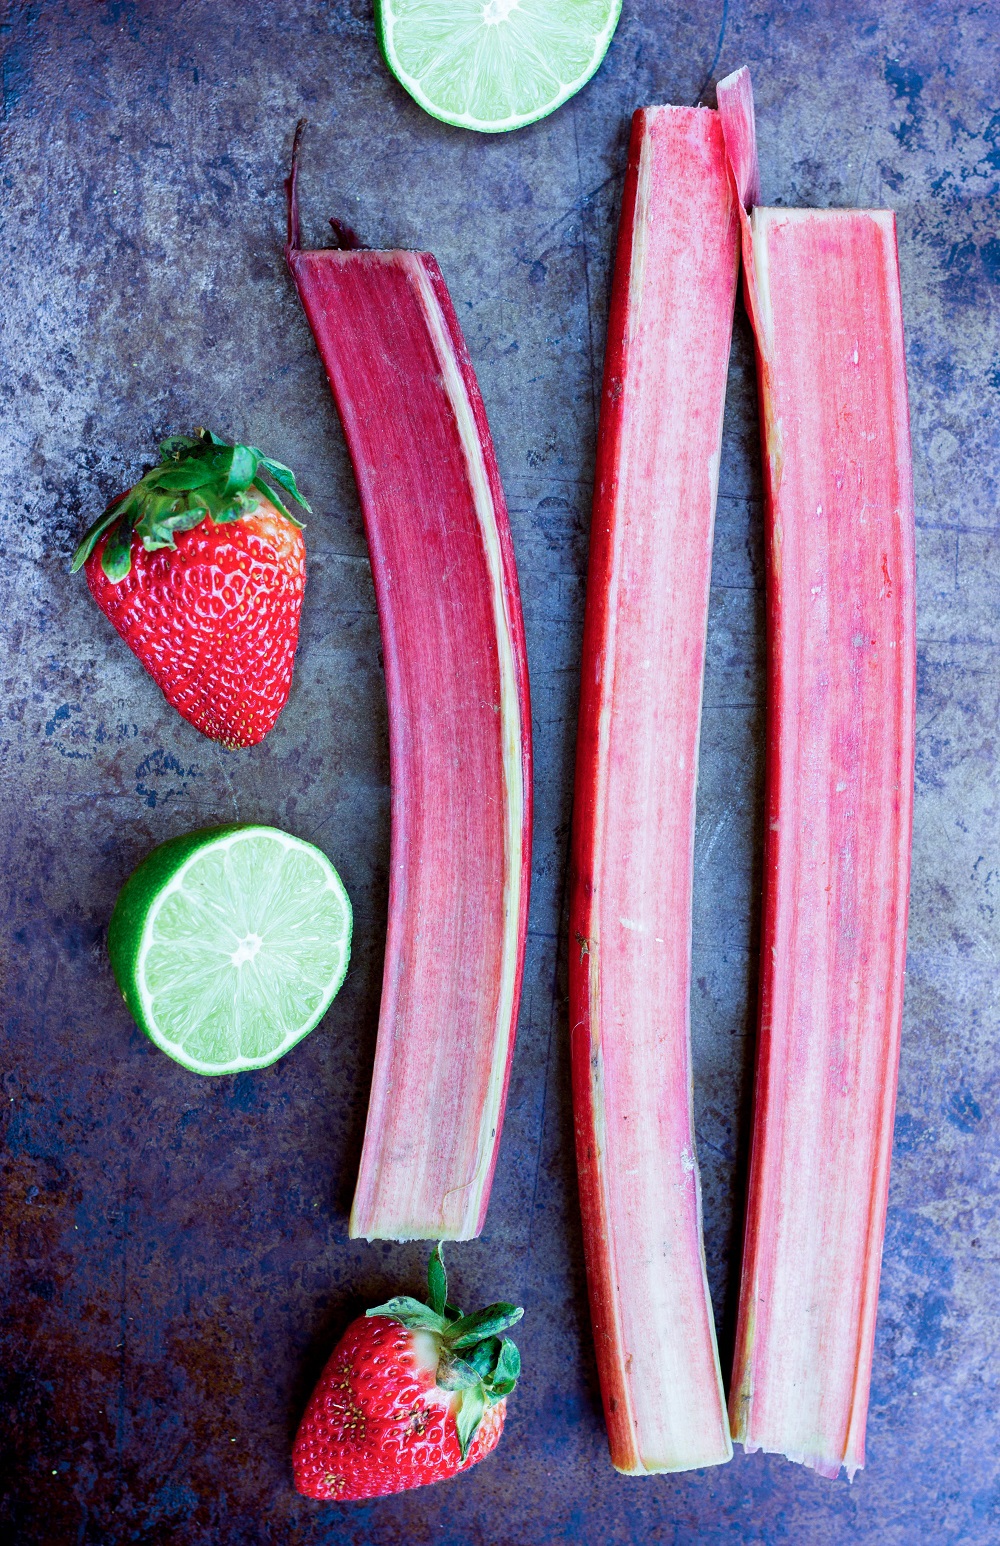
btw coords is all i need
(229, 945)
(494, 64)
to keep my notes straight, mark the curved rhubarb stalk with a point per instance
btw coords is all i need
(637, 766)
(459, 734)
(823, 290)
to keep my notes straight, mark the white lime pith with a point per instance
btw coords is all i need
(494, 65)
(239, 951)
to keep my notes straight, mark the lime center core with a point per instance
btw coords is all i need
(496, 11)
(246, 949)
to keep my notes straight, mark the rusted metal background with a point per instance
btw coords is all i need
(175, 1261)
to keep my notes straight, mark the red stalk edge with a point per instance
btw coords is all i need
(659, 444)
(822, 287)
(459, 732)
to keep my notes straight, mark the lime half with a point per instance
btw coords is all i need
(494, 64)
(229, 945)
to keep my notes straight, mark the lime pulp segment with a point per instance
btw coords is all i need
(242, 950)
(494, 65)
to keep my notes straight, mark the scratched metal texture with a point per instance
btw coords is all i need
(175, 1266)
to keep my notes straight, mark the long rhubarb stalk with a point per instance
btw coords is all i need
(823, 290)
(637, 764)
(459, 733)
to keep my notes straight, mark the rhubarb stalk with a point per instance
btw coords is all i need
(637, 764)
(459, 733)
(822, 287)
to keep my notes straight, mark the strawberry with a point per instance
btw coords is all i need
(412, 1393)
(201, 569)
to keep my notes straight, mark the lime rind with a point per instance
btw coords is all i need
(230, 944)
(525, 66)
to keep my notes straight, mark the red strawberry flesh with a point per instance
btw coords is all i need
(377, 1422)
(215, 622)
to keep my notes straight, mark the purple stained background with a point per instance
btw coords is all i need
(175, 1266)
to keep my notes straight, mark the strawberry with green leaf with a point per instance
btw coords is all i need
(412, 1394)
(201, 568)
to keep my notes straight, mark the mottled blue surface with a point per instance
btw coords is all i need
(174, 1248)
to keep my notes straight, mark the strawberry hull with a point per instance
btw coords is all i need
(459, 729)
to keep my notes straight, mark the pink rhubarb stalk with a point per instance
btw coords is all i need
(822, 287)
(637, 765)
(459, 733)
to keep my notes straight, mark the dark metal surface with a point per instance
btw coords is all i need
(175, 1262)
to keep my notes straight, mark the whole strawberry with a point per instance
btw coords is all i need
(412, 1394)
(201, 569)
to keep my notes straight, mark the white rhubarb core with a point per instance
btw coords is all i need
(468, 1207)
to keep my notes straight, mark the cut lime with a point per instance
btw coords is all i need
(229, 945)
(494, 64)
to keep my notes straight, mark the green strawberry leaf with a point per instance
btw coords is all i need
(505, 1373)
(242, 468)
(484, 1323)
(437, 1281)
(283, 476)
(411, 1313)
(499, 1364)
(268, 493)
(191, 473)
(232, 508)
(472, 1405)
(456, 1374)
(165, 517)
(483, 1357)
(507, 1369)
(115, 511)
(177, 444)
(116, 560)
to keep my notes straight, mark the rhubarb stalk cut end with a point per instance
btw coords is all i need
(823, 291)
(659, 446)
(739, 127)
(459, 733)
